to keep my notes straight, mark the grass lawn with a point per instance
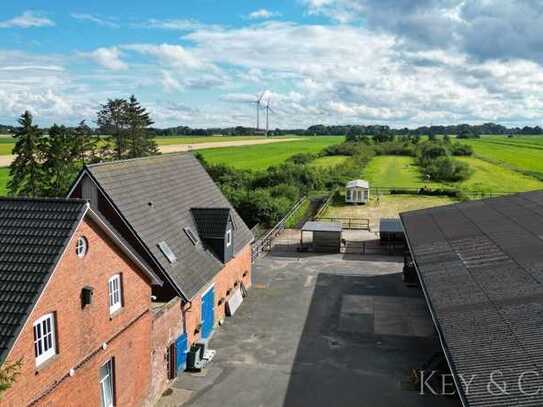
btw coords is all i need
(384, 206)
(328, 162)
(262, 156)
(395, 172)
(4, 175)
(488, 177)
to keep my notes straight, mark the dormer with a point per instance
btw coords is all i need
(216, 230)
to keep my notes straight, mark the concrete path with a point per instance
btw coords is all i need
(319, 331)
(5, 160)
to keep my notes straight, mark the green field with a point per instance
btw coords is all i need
(488, 177)
(6, 142)
(265, 155)
(166, 141)
(522, 153)
(395, 172)
(4, 175)
(329, 162)
(401, 172)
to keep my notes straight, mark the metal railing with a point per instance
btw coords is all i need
(349, 223)
(264, 244)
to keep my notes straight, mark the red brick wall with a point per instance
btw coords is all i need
(167, 327)
(80, 332)
(224, 280)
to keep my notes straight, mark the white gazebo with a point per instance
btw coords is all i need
(357, 191)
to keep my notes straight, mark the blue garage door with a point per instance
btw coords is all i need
(181, 353)
(208, 314)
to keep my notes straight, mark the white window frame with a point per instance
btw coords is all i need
(107, 384)
(45, 346)
(81, 247)
(228, 237)
(115, 290)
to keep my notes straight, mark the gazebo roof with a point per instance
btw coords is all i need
(358, 183)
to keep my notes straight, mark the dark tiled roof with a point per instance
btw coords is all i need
(393, 225)
(155, 195)
(211, 222)
(33, 235)
(481, 266)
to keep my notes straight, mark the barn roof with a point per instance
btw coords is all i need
(358, 183)
(155, 196)
(481, 267)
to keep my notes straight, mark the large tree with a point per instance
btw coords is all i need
(85, 144)
(26, 171)
(60, 161)
(112, 122)
(140, 141)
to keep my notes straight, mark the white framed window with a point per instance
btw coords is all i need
(44, 338)
(115, 297)
(106, 384)
(82, 246)
(228, 237)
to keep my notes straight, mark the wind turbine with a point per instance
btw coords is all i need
(268, 110)
(258, 102)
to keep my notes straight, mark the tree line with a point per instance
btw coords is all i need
(460, 130)
(46, 162)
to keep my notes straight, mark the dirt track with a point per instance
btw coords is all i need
(5, 160)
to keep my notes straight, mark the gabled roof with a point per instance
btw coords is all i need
(33, 236)
(211, 222)
(481, 268)
(358, 183)
(155, 195)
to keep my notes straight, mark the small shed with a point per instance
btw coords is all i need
(391, 231)
(357, 191)
(326, 237)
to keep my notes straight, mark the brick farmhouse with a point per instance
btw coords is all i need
(172, 214)
(103, 293)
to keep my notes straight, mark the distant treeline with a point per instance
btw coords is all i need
(460, 130)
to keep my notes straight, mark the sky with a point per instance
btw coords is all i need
(201, 63)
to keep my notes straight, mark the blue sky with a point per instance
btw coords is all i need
(201, 62)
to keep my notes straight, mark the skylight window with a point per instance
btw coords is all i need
(166, 251)
(191, 236)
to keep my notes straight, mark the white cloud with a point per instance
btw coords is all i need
(172, 24)
(109, 58)
(174, 55)
(28, 19)
(95, 19)
(263, 14)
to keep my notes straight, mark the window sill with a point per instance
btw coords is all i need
(116, 313)
(45, 364)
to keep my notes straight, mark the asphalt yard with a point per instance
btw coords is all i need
(318, 330)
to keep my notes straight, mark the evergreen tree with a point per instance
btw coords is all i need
(111, 121)
(85, 144)
(26, 172)
(60, 161)
(141, 142)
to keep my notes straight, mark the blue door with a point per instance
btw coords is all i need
(181, 353)
(208, 314)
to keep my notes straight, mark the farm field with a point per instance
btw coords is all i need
(522, 153)
(4, 175)
(166, 140)
(260, 157)
(329, 162)
(488, 177)
(384, 206)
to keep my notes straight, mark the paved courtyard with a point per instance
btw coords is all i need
(328, 330)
